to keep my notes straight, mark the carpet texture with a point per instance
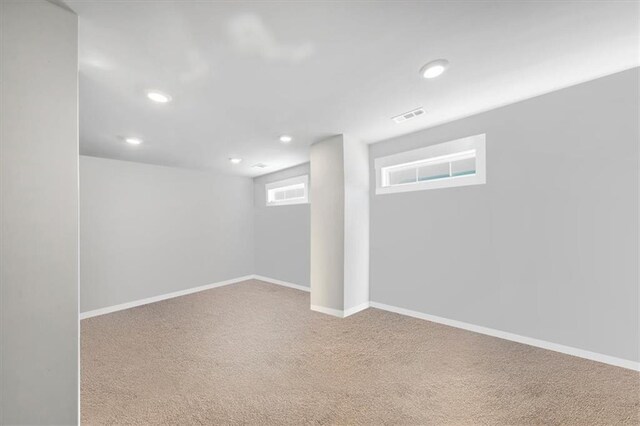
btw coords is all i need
(253, 353)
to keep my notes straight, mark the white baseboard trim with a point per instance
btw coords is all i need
(329, 311)
(280, 282)
(140, 302)
(338, 313)
(568, 350)
(356, 309)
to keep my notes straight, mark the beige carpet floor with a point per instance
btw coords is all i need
(253, 353)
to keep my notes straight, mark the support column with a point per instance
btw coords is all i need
(38, 213)
(339, 226)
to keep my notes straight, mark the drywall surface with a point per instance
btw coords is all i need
(282, 242)
(39, 214)
(548, 247)
(339, 225)
(150, 230)
(356, 223)
(327, 223)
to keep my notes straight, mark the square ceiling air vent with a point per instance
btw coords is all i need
(408, 115)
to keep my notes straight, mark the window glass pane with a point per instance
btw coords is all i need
(463, 167)
(280, 195)
(433, 171)
(455, 163)
(294, 193)
(288, 191)
(399, 177)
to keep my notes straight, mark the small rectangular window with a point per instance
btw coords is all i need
(455, 163)
(288, 191)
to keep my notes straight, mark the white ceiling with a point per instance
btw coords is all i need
(242, 74)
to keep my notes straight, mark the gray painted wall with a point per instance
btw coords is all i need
(282, 242)
(39, 214)
(548, 248)
(150, 230)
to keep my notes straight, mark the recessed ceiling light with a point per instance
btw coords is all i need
(285, 138)
(235, 160)
(158, 97)
(434, 68)
(133, 141)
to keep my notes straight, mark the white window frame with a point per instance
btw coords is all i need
(442, 152)
(298, 180)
